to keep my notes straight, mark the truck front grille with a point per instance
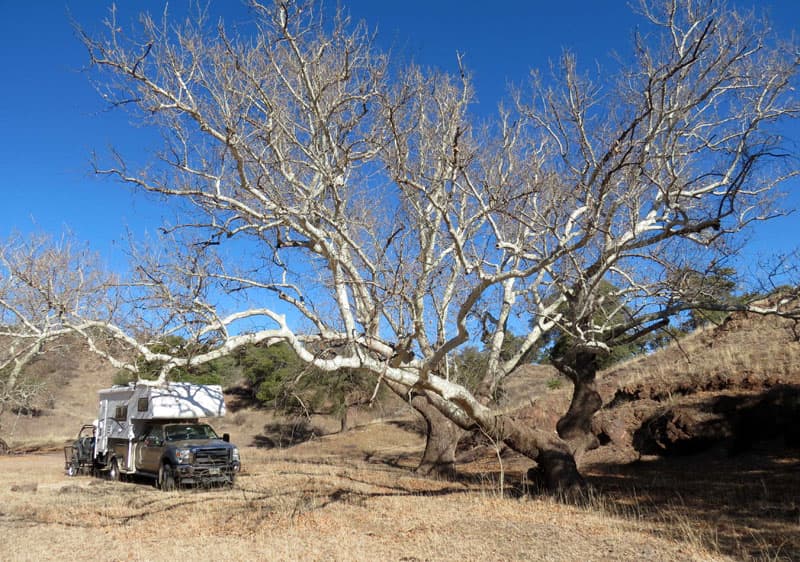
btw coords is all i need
(211, 457)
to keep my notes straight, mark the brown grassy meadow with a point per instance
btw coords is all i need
(353, 495)
(298, 507)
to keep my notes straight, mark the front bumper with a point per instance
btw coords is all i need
(192, 474)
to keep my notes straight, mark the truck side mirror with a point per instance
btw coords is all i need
(226, 437)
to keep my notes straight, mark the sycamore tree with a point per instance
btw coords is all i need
(358, 210)
(50, 288)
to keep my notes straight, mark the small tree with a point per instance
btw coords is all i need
(611, 310)
(269, 370)
(280, 379)
(717, 287)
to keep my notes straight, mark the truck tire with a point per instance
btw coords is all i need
(113, 471)
(166, 477)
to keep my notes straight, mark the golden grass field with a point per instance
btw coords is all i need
(288, 508)
(353, 495)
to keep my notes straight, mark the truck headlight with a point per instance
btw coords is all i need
(235, 454)
(183, 456)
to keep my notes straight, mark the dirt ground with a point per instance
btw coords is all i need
(352, 497)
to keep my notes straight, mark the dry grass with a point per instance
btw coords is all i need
(747, 506)
(352, 496)
(304, 508)
(745, 351)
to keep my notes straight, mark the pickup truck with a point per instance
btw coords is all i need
(153, 429)
(185, 452)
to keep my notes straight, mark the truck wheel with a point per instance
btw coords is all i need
(72, 468)
(113, 472)
(166, 477)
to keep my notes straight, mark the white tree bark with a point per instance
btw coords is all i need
(359, 212)
(48, 287)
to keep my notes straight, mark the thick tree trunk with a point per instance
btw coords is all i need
(575, 427)
(557, 470)
(344, 421)
(447, 421)
(441, 435)
(441, 440)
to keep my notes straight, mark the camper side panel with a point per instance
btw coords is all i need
(113, 420)
(179, 401)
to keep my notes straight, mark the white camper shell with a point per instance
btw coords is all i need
(125, 410)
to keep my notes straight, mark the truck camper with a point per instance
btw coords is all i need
(155, 430)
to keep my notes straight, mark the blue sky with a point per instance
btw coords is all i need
(51, 118)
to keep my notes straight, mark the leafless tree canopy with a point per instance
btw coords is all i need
(48, 288)
(362, 213)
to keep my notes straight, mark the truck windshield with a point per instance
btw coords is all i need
(183, 432)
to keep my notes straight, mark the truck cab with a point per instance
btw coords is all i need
(185, 452)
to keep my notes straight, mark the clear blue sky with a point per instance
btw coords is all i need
(51, 119)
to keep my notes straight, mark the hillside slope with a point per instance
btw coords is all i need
(734, 385)
(72, 377)
(699, 391)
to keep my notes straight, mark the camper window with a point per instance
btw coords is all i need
(143, 404)
(121, 413)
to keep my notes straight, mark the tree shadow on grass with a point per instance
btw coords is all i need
(728, 473)
(412, 426)
(401, 461)
(746, 506)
